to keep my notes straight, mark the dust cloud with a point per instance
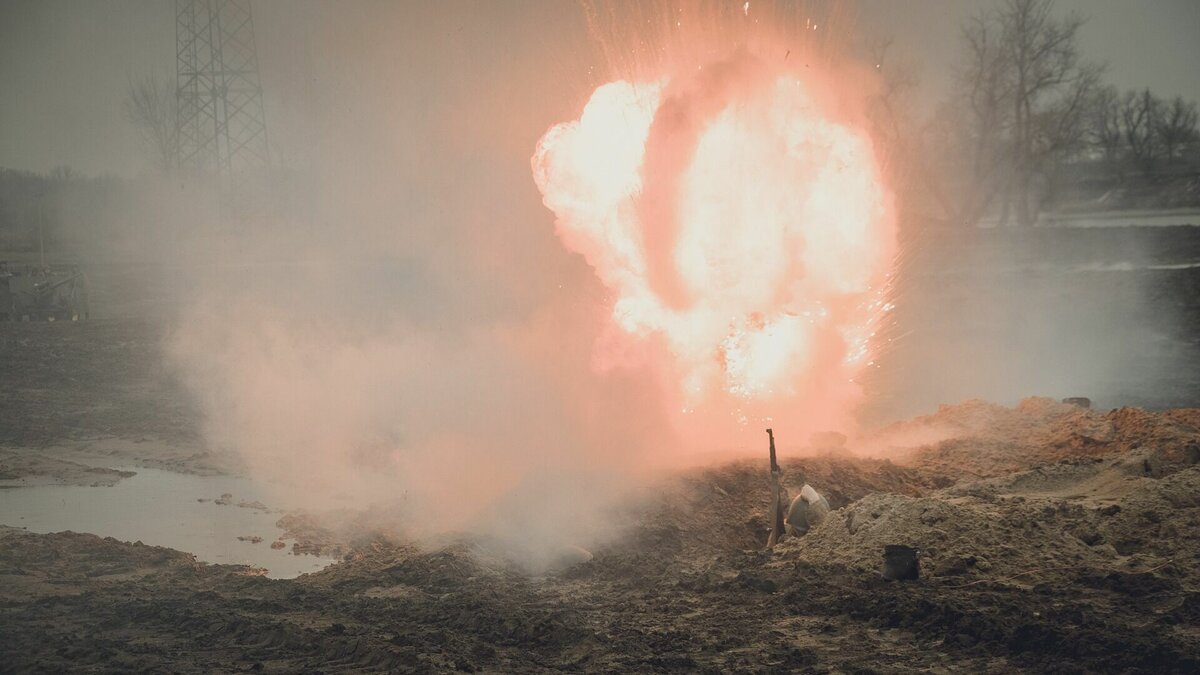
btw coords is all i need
(389, 317)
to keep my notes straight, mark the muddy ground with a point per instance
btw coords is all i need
(1052, 538)
(79, 398)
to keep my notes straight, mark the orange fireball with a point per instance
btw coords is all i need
(736, 219)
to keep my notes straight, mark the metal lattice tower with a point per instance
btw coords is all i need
(222, 127)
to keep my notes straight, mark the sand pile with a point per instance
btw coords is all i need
(971, 539)
(976, 439)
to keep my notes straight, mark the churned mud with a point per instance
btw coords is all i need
(1052, 539)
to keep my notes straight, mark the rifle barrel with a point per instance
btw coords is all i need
(774, 463)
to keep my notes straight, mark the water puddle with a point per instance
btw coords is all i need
(162, 508)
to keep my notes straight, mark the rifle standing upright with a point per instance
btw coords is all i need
(776, 509)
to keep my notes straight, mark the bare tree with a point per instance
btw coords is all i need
(1026, 92)
(1050, 86)
(1175, 126)
(1104, 127)
(62, 175)
(1138, 112)
(979, 140)
(153, 109)
(890, 111)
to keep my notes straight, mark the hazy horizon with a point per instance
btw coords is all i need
(65, 66)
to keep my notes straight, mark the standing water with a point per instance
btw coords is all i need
(163, 508)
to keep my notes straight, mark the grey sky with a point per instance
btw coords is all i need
(1145, 44)
(64, 64)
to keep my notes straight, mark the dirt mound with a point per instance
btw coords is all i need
(1094, 480)
(673, 595)
(1159, 518)
(1078, 516)
(724, 508)
(1081, 559)
(33, 564)
(980, 439)
(973, 539)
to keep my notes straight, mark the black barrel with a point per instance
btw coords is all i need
(900, 562)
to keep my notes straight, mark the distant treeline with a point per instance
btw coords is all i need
(1030, 126)
(75, 216)
(1098, 185)
(56, 207)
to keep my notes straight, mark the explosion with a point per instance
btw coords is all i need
(742, 227)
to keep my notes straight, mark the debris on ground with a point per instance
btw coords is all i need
(1049, 538)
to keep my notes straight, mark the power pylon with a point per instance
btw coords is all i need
(222, 127)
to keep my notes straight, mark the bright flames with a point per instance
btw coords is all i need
(737, 222)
